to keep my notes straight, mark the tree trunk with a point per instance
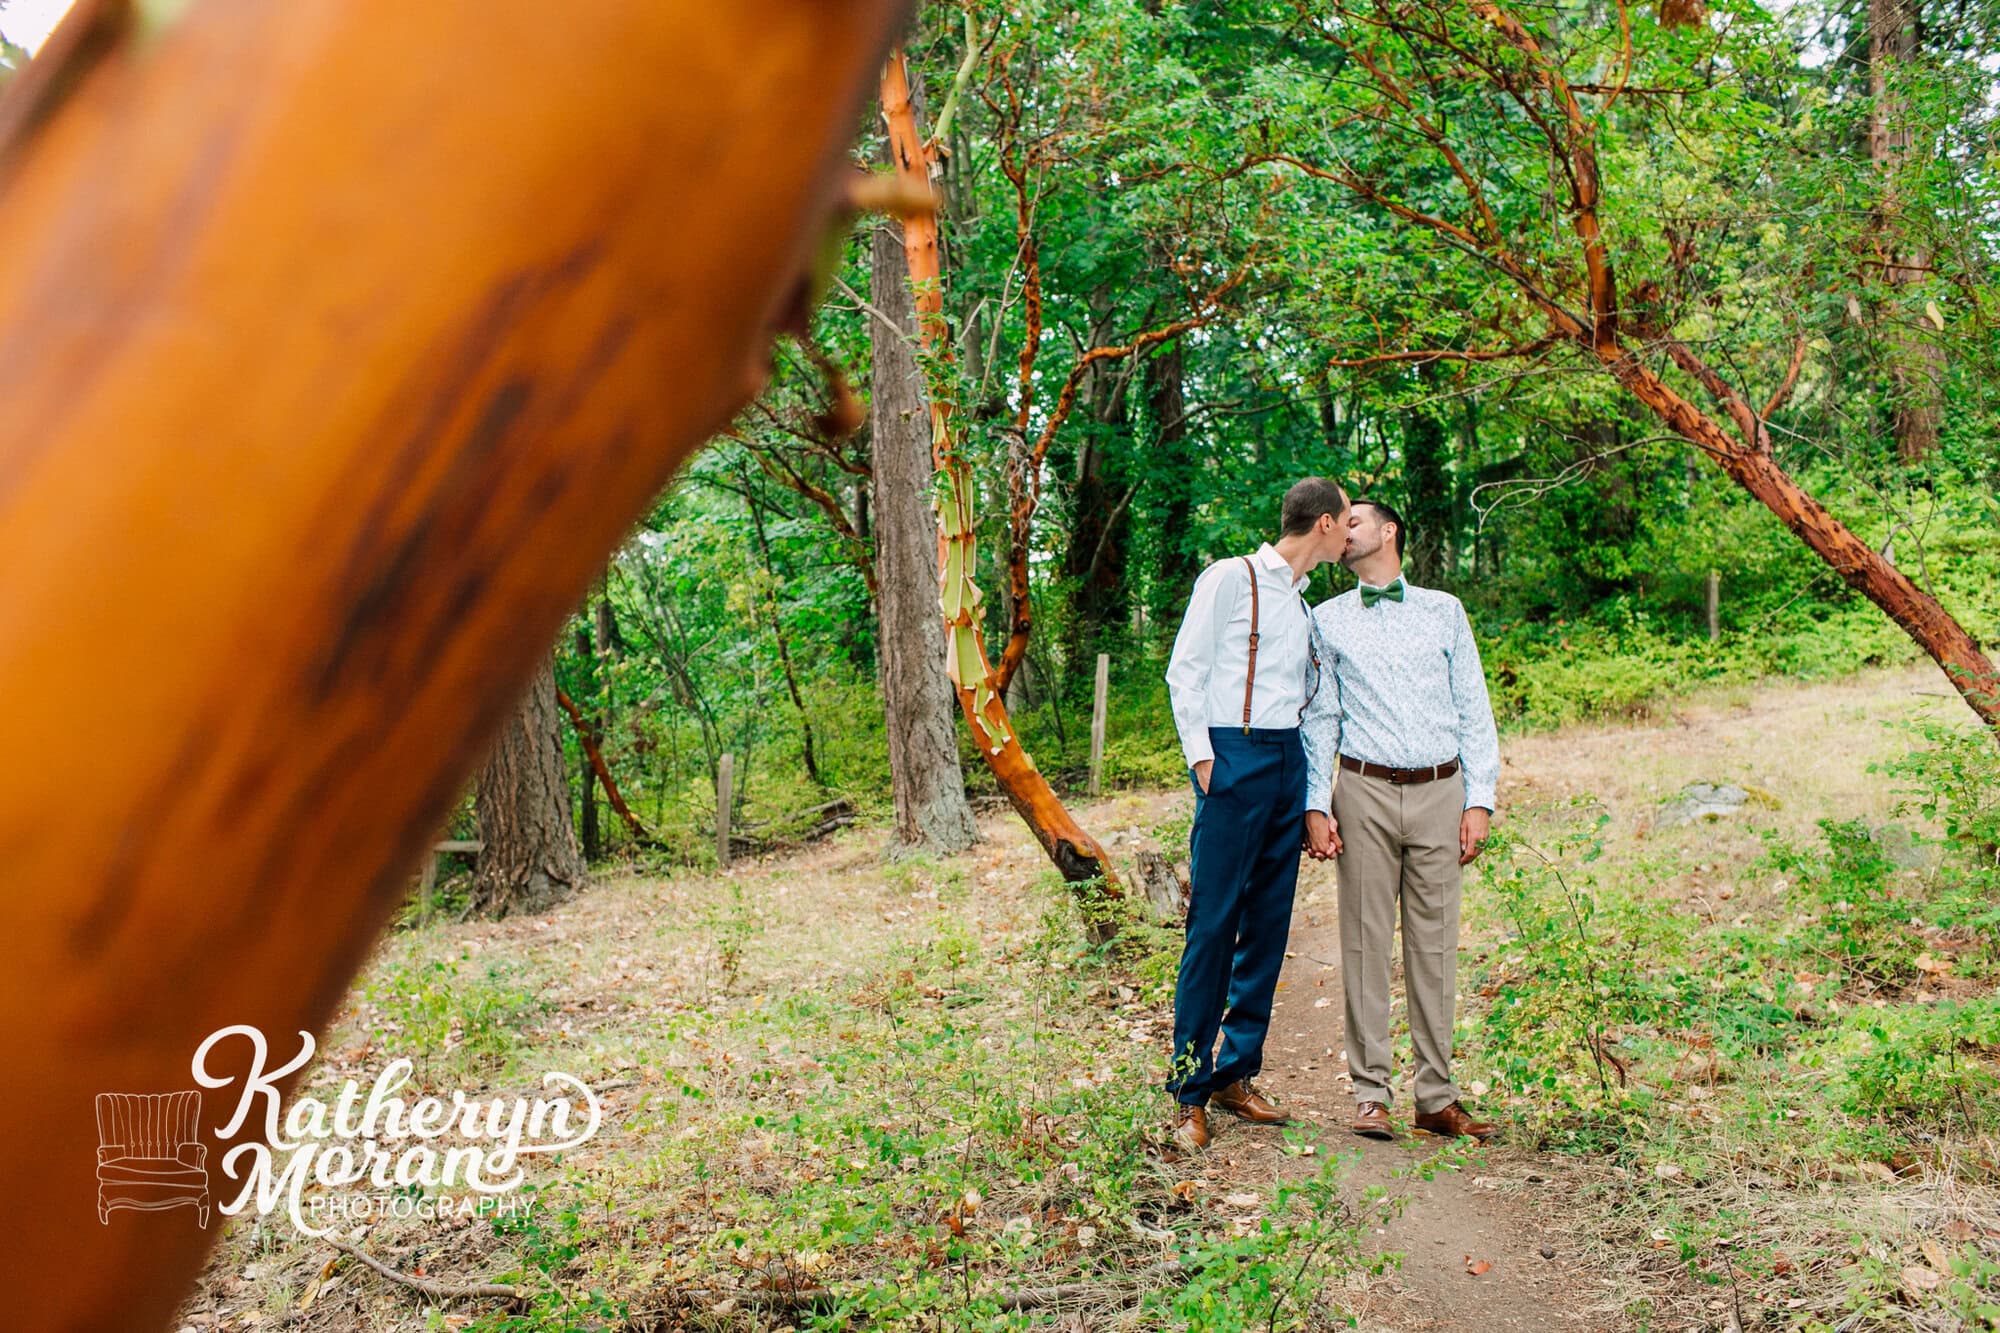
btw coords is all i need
(590, 737)
(1178, 473)
(255, 393)
(1915, 360)
(1075, 853)
(586, 731)
(1094, 557)
(931, 810)
(530, 862)
(809, 757)
(1598, 328)
(1427, 493)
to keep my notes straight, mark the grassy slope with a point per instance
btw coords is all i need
(906, 1086)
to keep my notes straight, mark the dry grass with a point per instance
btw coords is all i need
(696, 1005)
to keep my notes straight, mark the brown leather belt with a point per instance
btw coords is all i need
(1400, 775)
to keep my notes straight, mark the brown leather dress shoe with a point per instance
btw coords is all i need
(1245, 1103)
(1190, 1128)
(1371, 1121)
(1454, 1122)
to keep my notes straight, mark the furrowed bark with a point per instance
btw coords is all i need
(530, 861)
(919, 703)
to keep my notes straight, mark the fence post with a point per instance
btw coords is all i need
(725, 782)
(1097, 724)
(1714, 606)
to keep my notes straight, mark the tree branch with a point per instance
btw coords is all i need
(586, 734)
(436, 1291)
(1784, 389)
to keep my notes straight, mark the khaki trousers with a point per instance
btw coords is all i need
(1399, 844)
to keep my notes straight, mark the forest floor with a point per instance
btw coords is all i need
(844, 1092)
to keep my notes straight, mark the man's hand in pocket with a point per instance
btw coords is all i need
(1201, 774)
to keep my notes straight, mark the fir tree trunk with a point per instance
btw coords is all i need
(531, 861)
(1177, 472)
(932, 813)
(1426, 452)
(1915, 361)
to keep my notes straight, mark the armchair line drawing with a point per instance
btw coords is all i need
(149, 1153)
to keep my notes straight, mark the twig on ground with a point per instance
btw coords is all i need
(437, 1291)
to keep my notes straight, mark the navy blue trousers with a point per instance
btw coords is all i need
(1244, 855)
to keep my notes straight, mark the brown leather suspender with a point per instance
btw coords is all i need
(1250, 676)
(1250, 680)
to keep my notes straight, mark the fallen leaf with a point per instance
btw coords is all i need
(1667, 1171)
(1918, 1279)
(1958, 1229)
(1241, 1200)
(1476, 1266)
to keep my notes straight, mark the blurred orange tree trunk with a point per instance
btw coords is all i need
(332, 368)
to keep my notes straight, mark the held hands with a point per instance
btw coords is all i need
(1472, 829)
(1322, 836)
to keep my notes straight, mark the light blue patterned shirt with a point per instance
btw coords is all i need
(1407, 692)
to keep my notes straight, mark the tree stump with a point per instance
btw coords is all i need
(1167, 890)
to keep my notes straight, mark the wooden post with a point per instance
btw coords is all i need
(425, 889)
(1714, 607)
(431, 859)
(725, 782)
(1097, 724)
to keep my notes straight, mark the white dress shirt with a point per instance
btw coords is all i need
(1211, 656)
(1404, 690)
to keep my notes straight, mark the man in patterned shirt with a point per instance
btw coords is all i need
(1408, 723)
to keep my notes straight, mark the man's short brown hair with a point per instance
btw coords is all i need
(1307, 500)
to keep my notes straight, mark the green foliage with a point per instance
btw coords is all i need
(1955, 778)
(1925, 1065)
(546, 1245)
(1842, 1025)
(1159, 147)
(451, 1015)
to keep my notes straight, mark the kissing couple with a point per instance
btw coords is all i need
(1359, 729)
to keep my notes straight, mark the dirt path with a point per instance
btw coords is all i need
(1500, 1205)
(1477, 1208)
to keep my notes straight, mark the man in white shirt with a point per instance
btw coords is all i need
(1244, 667)
(1407, 719)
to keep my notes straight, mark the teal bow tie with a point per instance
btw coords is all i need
(1370, 596)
